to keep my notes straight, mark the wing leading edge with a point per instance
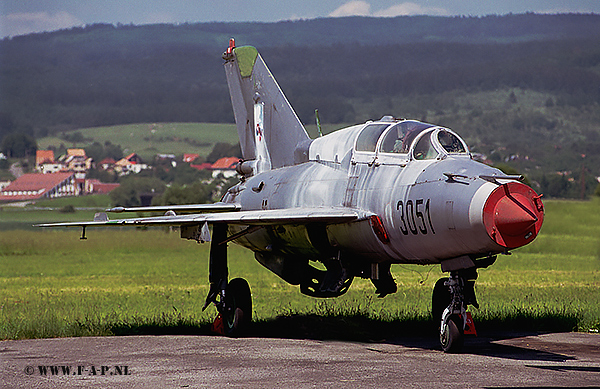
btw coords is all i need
(251, 218)
(186, 208)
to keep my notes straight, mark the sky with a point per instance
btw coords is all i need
(18, 17)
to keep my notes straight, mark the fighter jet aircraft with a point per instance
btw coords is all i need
(388, 191)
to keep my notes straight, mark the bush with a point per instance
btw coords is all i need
(67, 209)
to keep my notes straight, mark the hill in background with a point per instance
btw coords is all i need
(522, 89)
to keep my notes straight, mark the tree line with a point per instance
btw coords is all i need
(105, 75)
(351, 69)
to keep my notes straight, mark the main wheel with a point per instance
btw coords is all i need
(238, 307)
(440, 300)
(453, 338)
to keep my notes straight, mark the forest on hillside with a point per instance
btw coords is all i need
(523, 89)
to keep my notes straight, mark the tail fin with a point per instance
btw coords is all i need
(268, 128)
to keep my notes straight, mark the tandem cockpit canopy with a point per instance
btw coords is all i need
(413, 139)
(388, 141)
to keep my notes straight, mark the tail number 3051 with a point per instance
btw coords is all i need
(415, 216)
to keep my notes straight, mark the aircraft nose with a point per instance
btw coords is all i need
(513, 215)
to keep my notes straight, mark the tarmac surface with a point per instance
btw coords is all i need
(547, 360)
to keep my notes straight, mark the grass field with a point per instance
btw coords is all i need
(126, 281)
(169, 138)
(49, 210)
(149, 139)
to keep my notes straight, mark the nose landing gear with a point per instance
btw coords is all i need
(451, 296)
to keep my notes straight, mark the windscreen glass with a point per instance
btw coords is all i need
(424, 149)
(450, 142)
(399, 137)
(367, 140)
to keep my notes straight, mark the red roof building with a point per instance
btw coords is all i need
(188, 158)
(44, 156)
(95, 186)
(225, 166)
(130, 164)
(34, 186)
(107, 163)
(225, 163)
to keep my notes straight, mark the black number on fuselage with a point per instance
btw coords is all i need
(420, 215)
(400, 207)
(429, 216)
(410, 214)
(414, 218)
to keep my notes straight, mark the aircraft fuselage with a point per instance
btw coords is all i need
(427, 211)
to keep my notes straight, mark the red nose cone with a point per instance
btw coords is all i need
(513, 215)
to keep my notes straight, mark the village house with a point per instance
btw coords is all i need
(225, 166)
(45, 163)
(65, 177)
(33, 186)
(106, 164)
(75, 160)
(130, 164)
(167, 157)
(189, 158)
(93, 185)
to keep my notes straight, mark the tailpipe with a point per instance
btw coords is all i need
(513, 215)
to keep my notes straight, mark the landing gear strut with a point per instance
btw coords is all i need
(232, 299)
(451, 296)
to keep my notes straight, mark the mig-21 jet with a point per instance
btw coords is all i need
(389, 191)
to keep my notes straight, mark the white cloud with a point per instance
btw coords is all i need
(363, 8)
(405, 9)
(352, 8)
(25, 23)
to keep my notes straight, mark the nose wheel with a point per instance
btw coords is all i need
(449, 302)
(452, 335)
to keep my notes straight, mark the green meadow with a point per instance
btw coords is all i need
(151, 138)
(132, 281)
(148, 139)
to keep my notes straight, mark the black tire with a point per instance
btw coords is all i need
(440, 300)
(453, 339)
(238, 307)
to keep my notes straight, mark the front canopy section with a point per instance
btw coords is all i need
(437, 143)
(407, 140)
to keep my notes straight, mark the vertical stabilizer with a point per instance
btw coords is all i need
(268, 128)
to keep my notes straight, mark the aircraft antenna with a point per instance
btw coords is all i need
(318, 122)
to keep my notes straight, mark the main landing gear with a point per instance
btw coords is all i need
(451, 296)
(232, 299)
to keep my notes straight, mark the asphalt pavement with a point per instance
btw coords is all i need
(546, 360)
